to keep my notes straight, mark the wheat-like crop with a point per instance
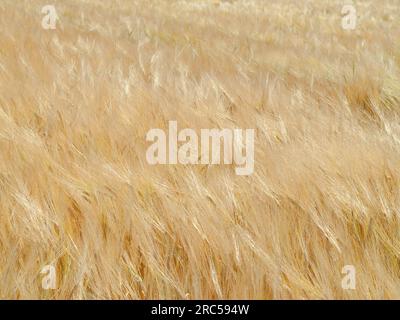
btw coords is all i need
(76, 191)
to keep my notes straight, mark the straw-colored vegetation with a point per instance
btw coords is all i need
(77, 193)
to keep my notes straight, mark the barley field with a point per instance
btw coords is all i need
(78, 196)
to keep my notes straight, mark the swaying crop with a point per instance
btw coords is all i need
(79, 198)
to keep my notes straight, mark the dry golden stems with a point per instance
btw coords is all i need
(76, 190)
